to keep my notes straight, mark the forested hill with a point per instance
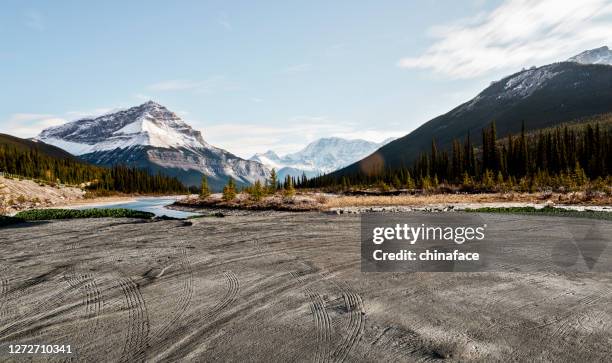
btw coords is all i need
(565, 158)
(37, 160)
(25, 144)
(540, 97)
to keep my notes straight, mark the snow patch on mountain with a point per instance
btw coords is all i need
(153, 137)
(526, 82)
(149, 124)
(601, 55)
(319, 157)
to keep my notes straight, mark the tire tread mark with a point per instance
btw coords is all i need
(354, 306)
(137, 339)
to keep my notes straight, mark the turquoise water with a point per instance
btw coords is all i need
(153, 205)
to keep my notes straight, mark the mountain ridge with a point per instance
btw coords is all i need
(321, 156)
(539, 96)
(151, 136)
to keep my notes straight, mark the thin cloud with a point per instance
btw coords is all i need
(30, 124)
(516, 34)
(91, 113)
(291, 137)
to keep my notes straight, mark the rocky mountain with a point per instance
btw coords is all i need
(541, 97)
(150, 136)
(319, 157)
(601, 55)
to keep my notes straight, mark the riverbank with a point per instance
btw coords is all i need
(324, 202)
(18, 195)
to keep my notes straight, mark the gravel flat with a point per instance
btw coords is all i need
(278, 287)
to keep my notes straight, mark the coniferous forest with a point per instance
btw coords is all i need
(31, 163)
(563, 158)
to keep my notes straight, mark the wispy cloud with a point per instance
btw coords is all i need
(223, 20)
(296, 133)
(34, 20)
(90, 113)
(210, 85)
(516, 34)
(30, 124)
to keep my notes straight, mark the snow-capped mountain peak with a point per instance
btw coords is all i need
(320, 156)
(149, 124)
(601, 55)
(151, 136)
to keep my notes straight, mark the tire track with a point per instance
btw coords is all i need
(92, 299)
(322, 325)
(321, 318)
(185, 296)
(233, 288)
(179, 349)
(45, 308)
(137, 337)
(356, 325)
(5, 287)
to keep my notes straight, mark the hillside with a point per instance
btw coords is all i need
(25, 144)
(47, 164)
(541, 97)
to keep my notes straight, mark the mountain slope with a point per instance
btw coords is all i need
(152, 137)
(24, 144)
(601, 55)
(319, 157)
(541, 97)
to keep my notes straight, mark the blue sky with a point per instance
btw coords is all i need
(262, 75)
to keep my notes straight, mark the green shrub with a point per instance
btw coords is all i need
(45, 214)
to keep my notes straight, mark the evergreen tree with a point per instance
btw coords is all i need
(229, 191)
(273, 181)
(289, 190)
(204, 191)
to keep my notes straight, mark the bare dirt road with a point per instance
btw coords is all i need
(277, 287)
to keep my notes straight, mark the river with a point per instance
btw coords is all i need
(147, 204)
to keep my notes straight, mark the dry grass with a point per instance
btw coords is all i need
(433, 199)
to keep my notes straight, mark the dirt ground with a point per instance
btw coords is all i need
(17, 195)
(278, 287)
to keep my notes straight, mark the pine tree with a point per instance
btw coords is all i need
(204, 191)
(409, 182)
(273, 181)
(256, 191)
(289, 190)
(229, 191)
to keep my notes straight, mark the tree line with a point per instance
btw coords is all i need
(564, 157)
(36, 165)
(256, 191)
